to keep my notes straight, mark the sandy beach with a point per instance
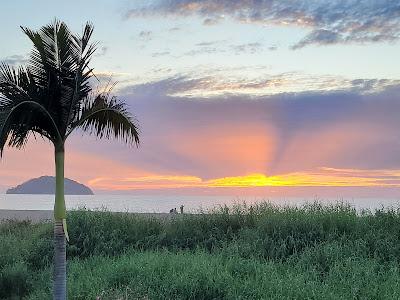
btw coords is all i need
(29, 215)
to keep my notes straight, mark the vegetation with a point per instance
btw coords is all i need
(52, 97)
(262, 252)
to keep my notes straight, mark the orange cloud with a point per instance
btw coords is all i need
(229, 148)
(145, 182)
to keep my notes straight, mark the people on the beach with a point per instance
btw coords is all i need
(174, 211)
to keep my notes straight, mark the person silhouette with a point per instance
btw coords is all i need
(181, 208)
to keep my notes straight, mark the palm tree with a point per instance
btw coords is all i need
(50, 98)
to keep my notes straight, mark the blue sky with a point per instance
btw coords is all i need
(140, 45)
(303, 90)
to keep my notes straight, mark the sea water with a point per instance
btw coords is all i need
(163, 204)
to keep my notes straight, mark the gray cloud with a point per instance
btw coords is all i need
(102, 51)
(273, 48)
(330, 21)
(212, 21)
(158, 54)
(220, 46)
(321, 37)
(247, 48)
(146, 35)
(15, 60)
(209, 43)
(203, 50)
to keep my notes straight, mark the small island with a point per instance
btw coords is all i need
(46, 185)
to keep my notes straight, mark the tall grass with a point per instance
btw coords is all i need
(258, 252)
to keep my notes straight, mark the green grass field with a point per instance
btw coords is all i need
(264, 252)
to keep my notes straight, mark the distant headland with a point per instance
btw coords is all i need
(46, 185)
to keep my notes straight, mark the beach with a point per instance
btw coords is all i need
(34, 216)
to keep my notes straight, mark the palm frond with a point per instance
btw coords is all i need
(52, 95)
(106, 117)
(19, 122)
(83, 73)
(21, 114)
(14, 85)
(59, 63)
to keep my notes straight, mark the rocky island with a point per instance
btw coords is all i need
(46, 185)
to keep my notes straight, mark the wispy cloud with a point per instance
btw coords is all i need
(247, 48)
(158, 54)
(273, 48)
(204, 50)
(329, 21)
(212, 21)
(212, 84)
(210, 43)
(102, 51)
(15, 60)
(209, 47)
(175, 29)
(222, 46)
(146, 35)
(103, 79)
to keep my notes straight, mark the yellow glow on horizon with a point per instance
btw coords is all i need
(325, 177)
(251, 180)
(296, 179)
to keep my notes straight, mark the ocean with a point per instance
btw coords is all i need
(163, 204)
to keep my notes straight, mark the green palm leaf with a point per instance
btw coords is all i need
(106, 117)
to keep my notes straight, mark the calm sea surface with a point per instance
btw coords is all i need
(153, 203)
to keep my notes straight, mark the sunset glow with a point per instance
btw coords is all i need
(228, 96)
(326, 177)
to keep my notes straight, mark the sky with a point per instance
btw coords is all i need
(251, 97)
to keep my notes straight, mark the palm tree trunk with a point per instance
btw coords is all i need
(60, 262)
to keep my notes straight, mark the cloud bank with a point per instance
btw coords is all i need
(239, 134)
(328, 21)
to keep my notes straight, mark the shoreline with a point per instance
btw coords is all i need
(35, 216)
